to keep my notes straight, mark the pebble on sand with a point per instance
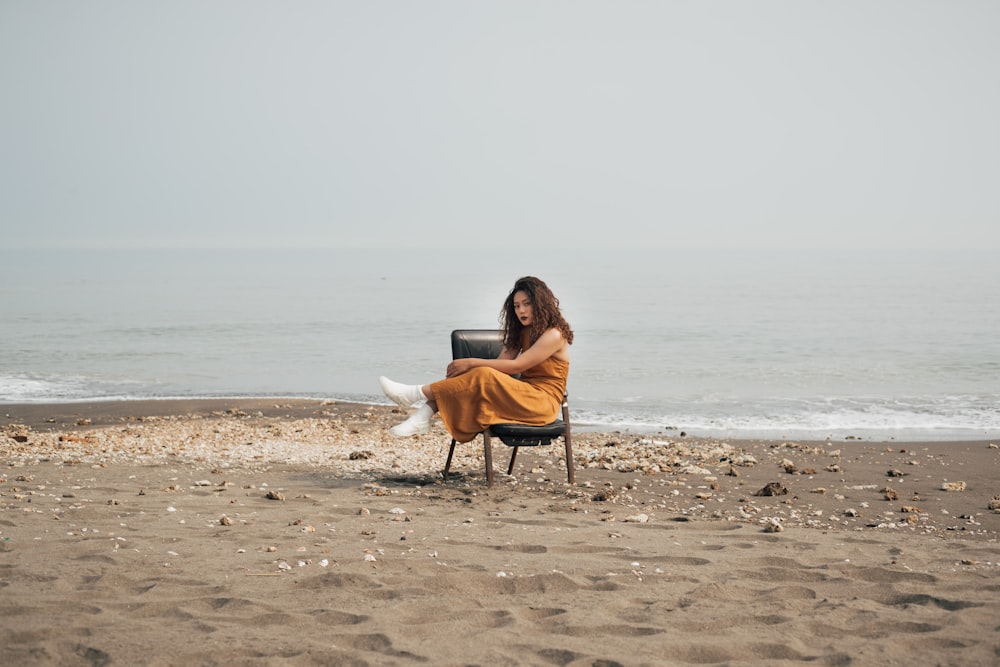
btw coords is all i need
(772, 489)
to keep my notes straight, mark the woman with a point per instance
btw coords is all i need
(479, 392)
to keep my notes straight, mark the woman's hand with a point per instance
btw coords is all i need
(459, 366)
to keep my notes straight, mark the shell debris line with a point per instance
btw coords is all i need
(629, 478)
(352, 444)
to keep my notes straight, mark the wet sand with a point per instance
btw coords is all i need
(262, 532)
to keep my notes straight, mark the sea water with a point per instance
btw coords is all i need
(786, 344)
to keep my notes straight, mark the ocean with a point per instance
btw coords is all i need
(877, 345)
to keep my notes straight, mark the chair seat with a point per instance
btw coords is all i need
(521, 435)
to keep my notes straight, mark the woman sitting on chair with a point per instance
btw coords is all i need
(477, 393)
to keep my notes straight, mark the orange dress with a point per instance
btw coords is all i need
(470, 402)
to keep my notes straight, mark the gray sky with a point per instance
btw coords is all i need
(655, 124)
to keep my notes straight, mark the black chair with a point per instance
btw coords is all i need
(486, 344)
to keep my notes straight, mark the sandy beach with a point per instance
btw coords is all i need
(277, 532)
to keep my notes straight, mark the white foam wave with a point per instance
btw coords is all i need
(915, 418)
(59, 389)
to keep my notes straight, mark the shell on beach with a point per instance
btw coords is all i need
(773, 525)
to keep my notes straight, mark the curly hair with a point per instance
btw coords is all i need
(545, 314)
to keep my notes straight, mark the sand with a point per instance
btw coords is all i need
(300, 533)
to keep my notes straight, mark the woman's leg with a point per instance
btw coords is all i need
(418, 422)
(409, 395)
(405, 395)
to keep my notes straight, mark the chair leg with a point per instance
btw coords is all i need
(488, 455)
(513, 456)
(569, 457)
(569, 446)
(447, 465)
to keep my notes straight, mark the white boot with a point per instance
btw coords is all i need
(418, 422)
(403, 395)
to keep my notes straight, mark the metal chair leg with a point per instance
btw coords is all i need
(447, 465)
(488, 455)
(569, 445)
(513, 456)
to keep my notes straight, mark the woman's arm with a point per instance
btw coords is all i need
(509, 361)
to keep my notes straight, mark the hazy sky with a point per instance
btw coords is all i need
(670, 124)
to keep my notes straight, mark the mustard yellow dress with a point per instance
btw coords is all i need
(470, 402)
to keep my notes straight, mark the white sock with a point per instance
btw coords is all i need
(418, 422)
(403, 395)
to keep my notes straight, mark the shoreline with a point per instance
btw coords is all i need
(32, 411)
(248, 531)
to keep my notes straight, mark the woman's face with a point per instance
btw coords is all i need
(522, 308)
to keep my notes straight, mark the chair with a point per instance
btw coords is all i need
(486, 344)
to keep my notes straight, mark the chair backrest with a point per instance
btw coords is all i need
(476, 343)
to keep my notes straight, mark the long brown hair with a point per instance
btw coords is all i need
(545, 314)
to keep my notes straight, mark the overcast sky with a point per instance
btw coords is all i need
(671, 124)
